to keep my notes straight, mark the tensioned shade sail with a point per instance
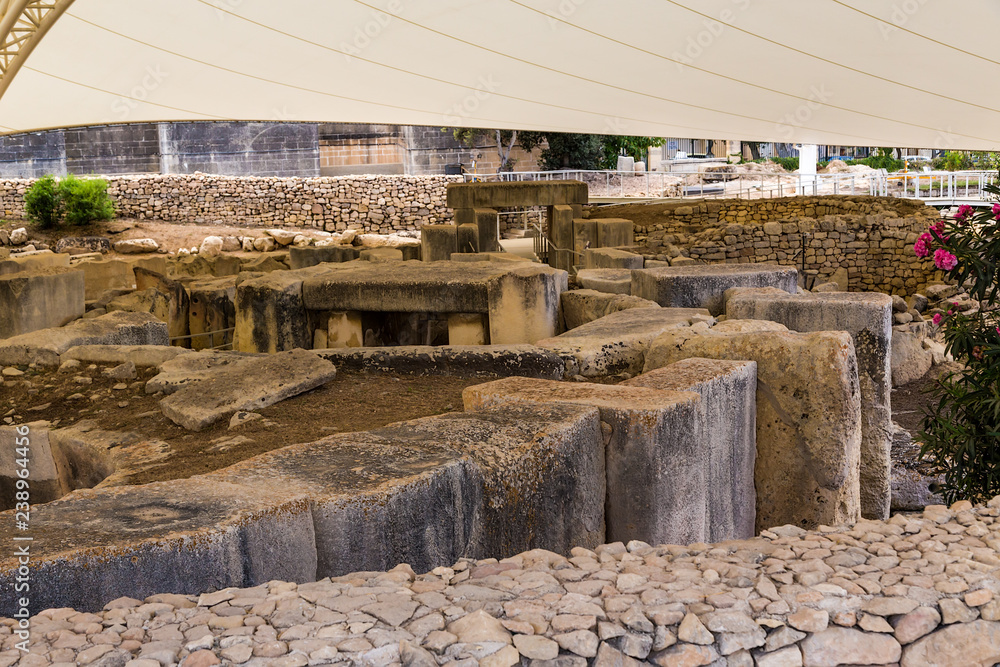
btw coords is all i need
(914, 73)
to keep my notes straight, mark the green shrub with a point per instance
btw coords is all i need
(80, 201)
(788, 163)
(85, 200)
(961, 432)
(42, 203)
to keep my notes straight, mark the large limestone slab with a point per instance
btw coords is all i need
(118, 328)
(867, 316)
(186, 369)
(617, 343)
(212, 313)
(656, 466)
(104, 275)
(43, 259)
(184, 536)
(909, 359)
(143, 356)
(255, 382)
(523, 303)
(428, 491)
(454, 360)
(586, 305)
(727, 428)
(611, 258)
(613, 281)
(302, 257)
(38, 299)
(27, 447)
(703, 286)
(178, 301)
(519, 193)
(808, 415)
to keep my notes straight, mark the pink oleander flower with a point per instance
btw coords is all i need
(920, 248)
(938, 231)
(944, 260)
(996, 210)
(964, 212)
(937, 318)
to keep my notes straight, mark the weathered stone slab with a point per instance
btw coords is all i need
(119, 328)
(143, 356)
(956, 645)
(30, 443)
(614, 232)
(656, 467)
(177, 297)
(612, 281)
(727, 428)
(212, 313)
(438, 242)
(560, 229)
(808, 415)
(523, 303)
(184, 536)
(38, 299)
(909, 361)
(486, 220)
(617, 343)
(271, 312)
(104, 275)
(610, 258)
(520, 193)
(867, 316)
(585, 305)
(427, 491)
(462, 361)
(34, 261)
(703, 286)
(186, 369)
(255, 382)
(301, 257)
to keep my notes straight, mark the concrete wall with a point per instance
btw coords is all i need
(238, 148)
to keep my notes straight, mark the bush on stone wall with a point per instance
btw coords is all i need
(42, 203)
(85, 200)
(79, 201)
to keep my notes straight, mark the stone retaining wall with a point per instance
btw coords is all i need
(871, 237)
(380, 204)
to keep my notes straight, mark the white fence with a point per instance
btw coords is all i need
(760, 185)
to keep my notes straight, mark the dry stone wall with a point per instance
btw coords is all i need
(871, 237)
(379, 204)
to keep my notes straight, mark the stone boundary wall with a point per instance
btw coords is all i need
(871, 237)
(378, 204)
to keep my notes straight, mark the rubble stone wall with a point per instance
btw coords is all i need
(871, 237)
(379, 204)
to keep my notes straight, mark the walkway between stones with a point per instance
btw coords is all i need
(919, 589)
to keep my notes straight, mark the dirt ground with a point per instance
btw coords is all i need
(351, 402)
(910, 401)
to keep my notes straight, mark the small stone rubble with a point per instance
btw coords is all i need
(919, 589)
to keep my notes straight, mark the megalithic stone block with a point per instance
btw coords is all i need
(178, 320)
(808, 415)
(467, 238)
(271, 313)
(39, 298)
(656, 466)
(703, 286)
(487, 222)
(560, 229)
(727, 429)
(615, 232)
(867, 317)
(438, 242)
(212, 312)
(584, 237)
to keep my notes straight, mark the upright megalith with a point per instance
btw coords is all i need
(271, 313)
(727, 430)
(867, 317)
(657, 468)
(39, 298)
(808, 415)
(703, 285)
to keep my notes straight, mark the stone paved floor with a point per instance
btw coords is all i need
(920, 589)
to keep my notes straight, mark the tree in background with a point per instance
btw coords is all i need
(585, 151)
(472, 137)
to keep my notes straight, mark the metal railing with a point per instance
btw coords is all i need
(762, 185)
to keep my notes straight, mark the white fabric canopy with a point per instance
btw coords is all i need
(909, 73)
